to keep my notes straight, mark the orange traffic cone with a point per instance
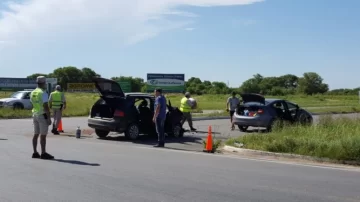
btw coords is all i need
(209, 142)
(60, 127)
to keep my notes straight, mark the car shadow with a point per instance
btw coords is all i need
(151, 140)
(256, 131)
(3, 139)
(202, 132)
(76, 162)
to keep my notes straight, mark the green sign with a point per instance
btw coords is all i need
(125, 86)
(169, 83)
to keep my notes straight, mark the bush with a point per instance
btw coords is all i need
(333, 138)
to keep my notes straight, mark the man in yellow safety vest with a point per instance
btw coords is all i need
(41, 118)
(185, 107)
(57, 104)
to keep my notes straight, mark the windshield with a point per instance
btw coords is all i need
(17, 95)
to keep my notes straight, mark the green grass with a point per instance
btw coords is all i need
(79, 104)
(333, 138)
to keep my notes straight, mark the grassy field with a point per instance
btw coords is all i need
(79, 104)
(333, 138)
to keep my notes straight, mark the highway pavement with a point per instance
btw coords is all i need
(91, 171)
(191, 141)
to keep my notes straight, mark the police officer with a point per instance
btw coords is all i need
(185, 107)
(57, 104)
(41, 117)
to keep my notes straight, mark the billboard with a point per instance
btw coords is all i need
(15, 84)
(170, 83)
(81, 87)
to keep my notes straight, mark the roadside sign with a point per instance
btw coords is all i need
(125, 86)
(169, 83)
(15, 84)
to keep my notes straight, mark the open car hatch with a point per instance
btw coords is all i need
(107, 87)
(252, 97)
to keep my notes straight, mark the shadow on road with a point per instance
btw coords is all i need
(151, 140)
(3, 139)
(256, 131)
(76, 162)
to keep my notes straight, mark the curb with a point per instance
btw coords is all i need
(287, 155)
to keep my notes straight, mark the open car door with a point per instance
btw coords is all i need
(108, 87)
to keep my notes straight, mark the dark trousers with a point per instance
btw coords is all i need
(187, 117)
(160, 129)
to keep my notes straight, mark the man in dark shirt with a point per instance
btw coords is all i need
(160, 116)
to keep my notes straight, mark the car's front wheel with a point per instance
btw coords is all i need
(243, 128)
(132, 132)
(101, 133)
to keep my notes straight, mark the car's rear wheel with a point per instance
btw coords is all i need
(177, 131)
(101, 133)
(132, 132)
(243, 128)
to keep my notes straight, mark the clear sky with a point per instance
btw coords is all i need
(223, 40)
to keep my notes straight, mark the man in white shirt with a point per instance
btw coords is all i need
(231, 105)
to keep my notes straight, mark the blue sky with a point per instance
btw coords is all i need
(223, 40)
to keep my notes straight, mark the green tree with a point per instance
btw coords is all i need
(137, 84)
(312, 83)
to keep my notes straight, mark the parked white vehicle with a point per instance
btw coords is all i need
(18, 100)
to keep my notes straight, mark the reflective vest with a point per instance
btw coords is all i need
(56, 99)
(184, 106)
(37, 102)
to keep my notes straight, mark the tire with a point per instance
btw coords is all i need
(101, 133)
(177, 131)
(305, 120)
(243, 128)
(132, 132)
(270, 126)
(18, 106)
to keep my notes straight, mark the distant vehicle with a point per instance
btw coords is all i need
(18, 100)
(129, 113)
(256, 111)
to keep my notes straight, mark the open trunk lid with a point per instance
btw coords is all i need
(107, 87)
(252, 97)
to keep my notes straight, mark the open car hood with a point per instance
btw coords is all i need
(252, 97)
(108, 87)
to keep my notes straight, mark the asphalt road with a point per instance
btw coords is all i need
(91, 171)
(191, 141)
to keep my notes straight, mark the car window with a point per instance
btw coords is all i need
(278, 105)
(27, 96)
(291, 106)
(142, 101)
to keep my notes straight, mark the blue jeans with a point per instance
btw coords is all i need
(160, 129)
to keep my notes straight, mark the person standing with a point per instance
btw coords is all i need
(41, 118)
(160, 116)
(57, 104)
(185, 107)
(231, 105)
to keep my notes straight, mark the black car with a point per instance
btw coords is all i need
(129, 113)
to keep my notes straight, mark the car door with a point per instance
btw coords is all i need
(287, 113)
(281, 110)
(293, 109)
(26, 101)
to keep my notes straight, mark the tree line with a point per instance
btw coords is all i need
(309, 83)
